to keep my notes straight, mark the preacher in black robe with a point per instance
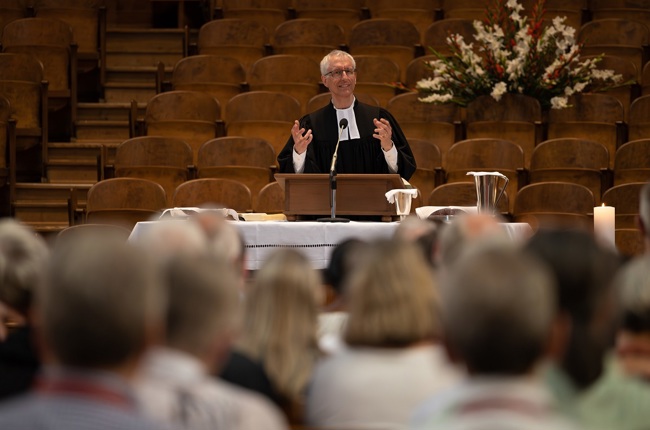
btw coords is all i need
(363, 155)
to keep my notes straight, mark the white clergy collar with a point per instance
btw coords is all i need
(351, 131)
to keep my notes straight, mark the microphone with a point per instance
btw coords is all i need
(342, 125)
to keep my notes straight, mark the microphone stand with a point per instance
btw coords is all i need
(332, 180)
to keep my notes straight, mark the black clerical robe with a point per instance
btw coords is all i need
(363, 155)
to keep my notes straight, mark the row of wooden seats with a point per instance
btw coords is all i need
(128, 200)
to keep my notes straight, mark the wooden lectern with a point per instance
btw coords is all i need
(357, 194)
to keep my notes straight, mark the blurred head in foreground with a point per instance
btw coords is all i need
(498, 307)
(393, 298)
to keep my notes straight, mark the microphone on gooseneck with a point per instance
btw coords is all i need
(342, 125)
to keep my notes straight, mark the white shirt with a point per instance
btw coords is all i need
(174, 387)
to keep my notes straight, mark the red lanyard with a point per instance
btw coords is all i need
(84, 389)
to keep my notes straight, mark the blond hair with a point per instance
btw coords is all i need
(393, 298)
(281, 321)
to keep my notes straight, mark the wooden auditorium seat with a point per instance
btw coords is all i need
(419, 12)
(554, 204)
(428, 174)
(516, 117)
(22, 83)
(264, 114)
(630, 74)
(249, 160)
(270, 199)
(624, 38)
(124, 201)
(295, 75)
(579, 161)
(375, 76)
(638, 126)
(164, 160)
(437, 123)
(213, 192)
(346, 13)
(313, 38)
(625, 198)
(51, 41)
(465, 9)
(435, 36)
(5, 113)
(393, 38)
(632, 162)
(87, 18)
(221, 77)
(238, 38)
(11, 10)
(591, 116)
(189, 115)
(486, 154)
(268, 13)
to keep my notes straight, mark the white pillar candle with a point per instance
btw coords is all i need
(604, 225)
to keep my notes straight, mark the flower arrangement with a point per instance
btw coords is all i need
(513, 53)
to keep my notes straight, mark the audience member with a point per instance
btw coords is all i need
(331, 322)
(99, 311)
(644, 214)
(498, 309)
(176, 385)
(586, 303)
(23, 260)
(278, 346)
(394, 360)
(620, 398)
(424, 233)
(463, 231)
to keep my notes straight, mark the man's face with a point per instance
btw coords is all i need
(343, 85)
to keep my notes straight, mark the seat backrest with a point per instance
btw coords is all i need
(182, 105)
(257, 4)
(83, 16)
(208, 68)
(307, 31)
(624, 197)
(483, 153)
(153, 151)
(554, 197)
(126, 193)
(614, 31)
(236, 151)
(408, 107)
(262, 105)
(232, 32)
(511, 107)
(569, 153)
(328, 4)
(375, 68)
(37, 32)
(21, 76)
(435, 36)
(213, 191)
(380, 31)
(270, 199)
(589, 107)
(427, 154)
(284, 68)
(633, 155)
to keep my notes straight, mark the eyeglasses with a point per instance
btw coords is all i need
(337, 74)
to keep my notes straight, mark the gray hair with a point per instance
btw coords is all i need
(633, 282)
(101, 303)
(203, 303)
(497, 309)
(325, 62)
(23, 260)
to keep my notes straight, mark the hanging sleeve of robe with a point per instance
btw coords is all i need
(362, 155)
